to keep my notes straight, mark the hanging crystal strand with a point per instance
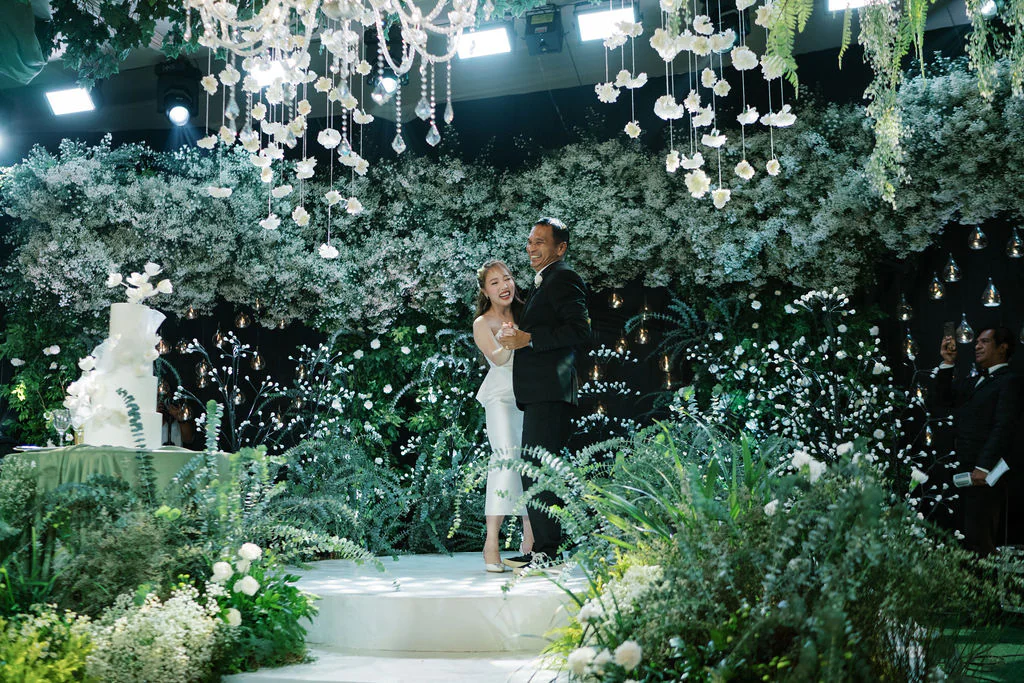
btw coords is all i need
(398, 144)
(422, 109)
(743, 85)
(209, 70)
(632, 73)
(449, 113)
(433, 135)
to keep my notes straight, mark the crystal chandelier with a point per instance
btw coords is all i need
(269, 57)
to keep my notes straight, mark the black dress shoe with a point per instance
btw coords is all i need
(519, 560)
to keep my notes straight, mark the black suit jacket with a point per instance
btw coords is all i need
(556, 317)
(986, 417)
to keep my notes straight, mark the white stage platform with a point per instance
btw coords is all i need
(426, 618)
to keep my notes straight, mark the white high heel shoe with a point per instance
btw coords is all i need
(495, 568)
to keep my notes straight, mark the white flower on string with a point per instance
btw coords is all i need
(300, 216)
(713, 139)
(606, 92)
(666, 45)
(747, 117)
(329, 138)
(304, 168)
(208, 142)
(773, 167)
(670, 6)
(743, 58)
(722, 88)
(672, 161)
(230, 75)
(703, 117)
(700, 45)
(361, 166)
(218, 192)
(363, 68)
(281, 191)
(250, 141)
(362, 118)
(784, 117)
(633, 129)
(209, 84)
(349, 101)
(630, 28)
(353, 206)
(697, 183)
(708, 77)
(720, 42)
(744, 170)
(692, 101)
(702, 25)
(270, 222)
(259, 160)
(259, 111)
(616, 40)
(667, 108)
(328, 251)
(332, 197)
(696, 161)
(744, 4)
(765, 14)
(720, 197)
(267, 175)
(772, 67)
(323, 84)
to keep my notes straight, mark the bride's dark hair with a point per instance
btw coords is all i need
(483, 304)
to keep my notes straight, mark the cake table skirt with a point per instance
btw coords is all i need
(75, 464)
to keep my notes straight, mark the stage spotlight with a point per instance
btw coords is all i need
(69, 101)
(177, 91)
(493, 40)
(599, 23)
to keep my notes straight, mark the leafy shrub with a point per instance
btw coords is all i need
(44, 646)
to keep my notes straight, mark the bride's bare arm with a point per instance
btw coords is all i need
(487, 344)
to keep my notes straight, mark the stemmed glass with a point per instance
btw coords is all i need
(62, 423)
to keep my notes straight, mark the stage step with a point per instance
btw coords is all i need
(342, 667)
(426, 618)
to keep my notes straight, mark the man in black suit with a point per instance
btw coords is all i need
(985, 411)
(553, 323)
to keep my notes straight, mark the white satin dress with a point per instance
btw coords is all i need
(505, 432)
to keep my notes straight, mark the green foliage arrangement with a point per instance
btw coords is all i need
(44, 646)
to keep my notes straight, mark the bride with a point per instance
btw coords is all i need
(497, 306)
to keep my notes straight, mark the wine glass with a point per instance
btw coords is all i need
(62, 422)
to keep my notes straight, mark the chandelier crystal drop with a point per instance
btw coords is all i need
(964, 331)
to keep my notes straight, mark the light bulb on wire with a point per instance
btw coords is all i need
(1015, 247)
(904, 311)
(990, 298)
(936, 290)
(964, 331)
(977, 240)
(951, 271)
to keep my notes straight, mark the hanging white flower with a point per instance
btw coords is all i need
(784, 117)
(267, 174)
(230, 75)
(696, 161)
(708, 78)
(304, 107)
(328, 251)
(270, 222)
(323, 84)
(208, 142)
(772, 67)
(361, 117)
(622, 78)
(670, 6)
(773, 167)
(353, 206)
(227, 135)
(744, 170)
(667, 108)
(275, 152)
(698, 183)
(361, 166)
(743, 58)
(630, 28)
(765, 14)
(768, 119)
(218, 192)
(720, 42)
(713, 139)
(259, 160)
(250, 84)
(297, 126)
(250, 141)
(209, 84)
(633, 129)
(300, 216)
(332, 197)
(304, 168)
(702, 25)
(692, 101)
(720, 197)
(259, 110)
(281, 191)
(672, 161)
(616, 40)
(744, 4)
(700, 45)
(606, 92)
(722, 88)
(329, 138)
(704, 117)
(747, 117)
(334, 95)
(363, 68)
(349, 101)
(665, 44)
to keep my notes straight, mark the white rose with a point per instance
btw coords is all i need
(744, 170)
(247, 585)
(222, 571)
(250, 551)
(353, 206)
(281, 191)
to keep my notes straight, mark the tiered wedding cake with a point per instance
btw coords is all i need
(123, 361)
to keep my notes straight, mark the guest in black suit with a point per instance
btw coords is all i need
(554, 322)
(985, 410)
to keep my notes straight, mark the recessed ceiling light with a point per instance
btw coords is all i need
(599, 25)
(488, 41)
(70, 101)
